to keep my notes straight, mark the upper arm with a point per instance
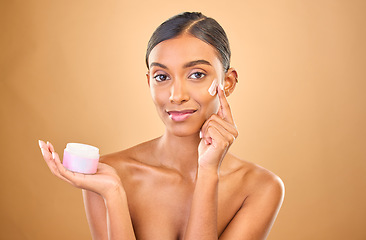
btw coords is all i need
(96, 214)
(258, 213)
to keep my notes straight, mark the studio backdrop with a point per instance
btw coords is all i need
(74, 71)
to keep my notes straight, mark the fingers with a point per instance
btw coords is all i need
(222, 122)
(224, 110)
(48, 156)
(225, 128)
(50, 146)
(42, 146)
(220, 138)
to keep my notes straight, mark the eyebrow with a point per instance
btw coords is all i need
(187, 65)
(197, 62)
(158, 65)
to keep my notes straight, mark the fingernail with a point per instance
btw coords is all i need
(53, 155)
(200, 134)
(47, 142)
(39, 143)
(42, 151)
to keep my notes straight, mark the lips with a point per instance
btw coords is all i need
(182, 115)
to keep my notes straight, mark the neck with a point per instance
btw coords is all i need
(179, 153)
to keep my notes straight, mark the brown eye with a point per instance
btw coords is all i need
(197, 75)
(161, 77)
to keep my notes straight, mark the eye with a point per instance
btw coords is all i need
(161, 77)
(197, 75)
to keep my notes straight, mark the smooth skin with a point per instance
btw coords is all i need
(180, 186)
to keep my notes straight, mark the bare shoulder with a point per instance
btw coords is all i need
(258, 194)
(256, 179)
(133, 157)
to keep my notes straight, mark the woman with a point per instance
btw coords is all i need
(184, 184)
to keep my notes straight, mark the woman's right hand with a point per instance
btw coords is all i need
(104, 182)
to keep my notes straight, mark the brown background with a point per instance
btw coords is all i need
(73, 71)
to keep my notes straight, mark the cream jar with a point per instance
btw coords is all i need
(81, 158)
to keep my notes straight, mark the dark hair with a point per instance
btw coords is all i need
(200, 26)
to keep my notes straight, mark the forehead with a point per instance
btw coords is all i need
(182, 49)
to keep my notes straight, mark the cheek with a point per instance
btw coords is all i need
(212, 105)
(158, 96)
(209, 104)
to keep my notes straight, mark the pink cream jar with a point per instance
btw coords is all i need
(81, 158)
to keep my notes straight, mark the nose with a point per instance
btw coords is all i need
(178, 92)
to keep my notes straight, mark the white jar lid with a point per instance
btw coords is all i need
(82, 150)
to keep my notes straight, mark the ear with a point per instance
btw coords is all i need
(148, 77)
(231, 78)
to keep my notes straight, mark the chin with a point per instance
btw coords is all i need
(183, 129)
(183, 132)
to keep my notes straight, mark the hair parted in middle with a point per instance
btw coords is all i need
(194, 23)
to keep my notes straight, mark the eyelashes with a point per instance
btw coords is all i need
(164, 77)
(198, 75)
(161, 77)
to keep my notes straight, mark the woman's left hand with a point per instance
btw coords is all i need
(218, 133)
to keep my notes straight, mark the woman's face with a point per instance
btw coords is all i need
(182, 70)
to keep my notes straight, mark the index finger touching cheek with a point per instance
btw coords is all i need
(224, 110)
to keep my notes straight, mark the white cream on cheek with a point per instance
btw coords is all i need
(213, 88)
